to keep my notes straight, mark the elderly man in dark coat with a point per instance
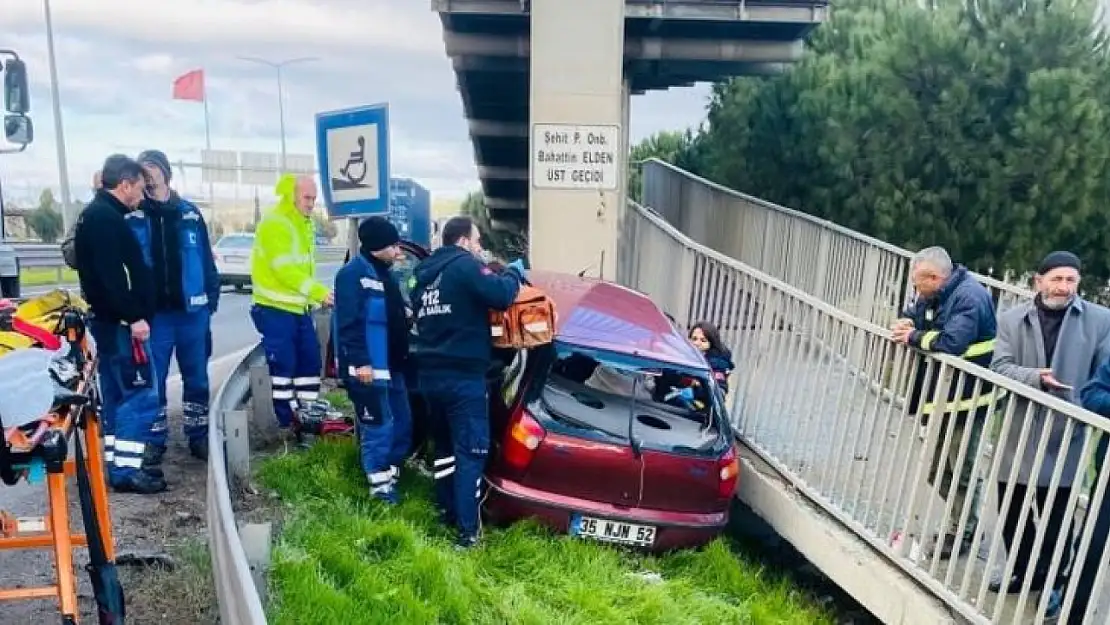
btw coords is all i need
(1053, 343)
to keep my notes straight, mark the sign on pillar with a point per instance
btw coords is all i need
(576, 156)
(353, 153)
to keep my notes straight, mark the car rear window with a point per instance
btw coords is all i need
(236, 242)
(614, 395)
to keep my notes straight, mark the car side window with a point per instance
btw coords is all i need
(512, 377)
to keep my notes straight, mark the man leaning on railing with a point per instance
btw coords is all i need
(1053, 343)
(952, 314)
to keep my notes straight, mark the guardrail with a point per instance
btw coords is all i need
(236, 591)
(810, 399)
(49, 255)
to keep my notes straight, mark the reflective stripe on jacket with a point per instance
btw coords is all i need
(192, 237)
(960, 321)
(283, 264)
(361, 320)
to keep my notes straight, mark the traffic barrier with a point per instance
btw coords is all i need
(236, 590)
(49, 256)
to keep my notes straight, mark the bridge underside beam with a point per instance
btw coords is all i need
(669, 44)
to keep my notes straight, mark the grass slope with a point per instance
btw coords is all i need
(42, 276)
(343, 558)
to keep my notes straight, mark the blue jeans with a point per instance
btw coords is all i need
(187, 333)
(459, 409)
(129, 398)
(293, 355)
(384, 422)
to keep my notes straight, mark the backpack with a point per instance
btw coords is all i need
(69, 244)
(529, 322)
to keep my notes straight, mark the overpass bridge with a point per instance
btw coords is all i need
(535, 74)
(836, 461)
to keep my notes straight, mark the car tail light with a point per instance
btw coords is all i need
(728, 471)
(522, 439)
(216, 256)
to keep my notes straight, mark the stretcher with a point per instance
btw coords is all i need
(51, 333)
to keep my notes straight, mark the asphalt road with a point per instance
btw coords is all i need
(232, 328)
(232, 333)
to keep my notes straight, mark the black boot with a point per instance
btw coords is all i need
(466, 541)
(139, 482)
(152, 461)
(199, 448)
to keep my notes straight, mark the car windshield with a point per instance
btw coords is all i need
(604, 391)
(238, 241)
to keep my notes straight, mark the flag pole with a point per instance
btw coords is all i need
(208, 139)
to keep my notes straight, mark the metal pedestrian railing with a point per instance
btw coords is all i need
(859, 274)
(823, 395)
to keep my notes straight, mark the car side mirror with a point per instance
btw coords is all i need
(18, 129)
(17, 97)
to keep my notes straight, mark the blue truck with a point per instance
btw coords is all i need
(410, 209)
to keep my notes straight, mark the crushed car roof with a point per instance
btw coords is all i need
(604, 315)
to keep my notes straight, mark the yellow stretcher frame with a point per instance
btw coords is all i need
(54, 531)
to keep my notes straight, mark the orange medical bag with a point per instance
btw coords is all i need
(529, 321)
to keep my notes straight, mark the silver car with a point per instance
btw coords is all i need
(232, 254)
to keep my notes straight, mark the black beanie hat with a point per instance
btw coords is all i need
(159, 160)
(377, 233)
(1055, 260)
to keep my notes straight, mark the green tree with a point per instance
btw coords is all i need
(680, 148)
(981, 127)
(501, 242)
(46, 220)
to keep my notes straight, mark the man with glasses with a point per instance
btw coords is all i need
(174, 239)
(118, 286)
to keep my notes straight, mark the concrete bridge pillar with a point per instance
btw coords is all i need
(578, 135)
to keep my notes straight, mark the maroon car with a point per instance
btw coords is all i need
(616, 432)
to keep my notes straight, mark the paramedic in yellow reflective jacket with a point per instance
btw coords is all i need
(284, 292)
(952, 314)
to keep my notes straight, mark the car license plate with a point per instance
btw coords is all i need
(235, 259)
(609, 531)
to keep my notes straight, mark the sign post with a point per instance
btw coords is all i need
(352, 146)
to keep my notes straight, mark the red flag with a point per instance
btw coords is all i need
(189, 86)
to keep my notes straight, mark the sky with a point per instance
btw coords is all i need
(117, 60)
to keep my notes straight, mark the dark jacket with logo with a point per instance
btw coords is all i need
(175, 244)
(115, 278)
(958, 320)
(371, 326)
(452, 298)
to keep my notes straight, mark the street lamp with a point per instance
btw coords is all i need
(278, 66)
(59, 134)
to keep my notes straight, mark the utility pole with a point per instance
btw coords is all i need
(278, 66)
(59, 131)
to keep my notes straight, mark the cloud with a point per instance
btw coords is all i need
(349, 24)
(117, 60)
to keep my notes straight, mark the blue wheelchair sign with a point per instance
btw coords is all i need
(353, 152)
